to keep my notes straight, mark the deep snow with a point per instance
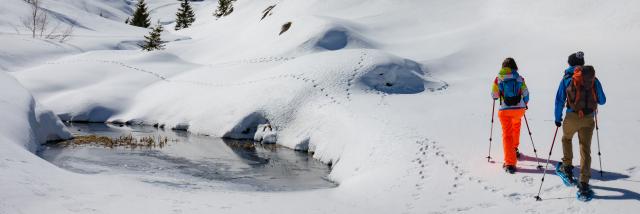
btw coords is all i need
(395, 94)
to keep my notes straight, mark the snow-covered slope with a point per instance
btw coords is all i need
(98, 25)
(395, 94)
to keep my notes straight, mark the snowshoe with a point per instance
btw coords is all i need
(585, 193)
(566, 175)
(509, 169)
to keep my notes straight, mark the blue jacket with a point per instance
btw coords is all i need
(561, 95)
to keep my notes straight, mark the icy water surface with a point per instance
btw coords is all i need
(191, 161)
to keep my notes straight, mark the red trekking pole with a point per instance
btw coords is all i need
(546, 165)
(493, 111)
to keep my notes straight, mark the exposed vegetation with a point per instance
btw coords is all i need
(249, 145)
(285, 27)
(124, 141)
(38, 24)
(267, 12)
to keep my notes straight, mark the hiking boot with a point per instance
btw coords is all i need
(509, 169)
(568, 170)
(583, 187)
(517, 153)
(585, 193)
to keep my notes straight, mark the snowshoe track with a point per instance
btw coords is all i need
(427, 150)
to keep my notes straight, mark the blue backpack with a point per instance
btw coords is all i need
(510, 90)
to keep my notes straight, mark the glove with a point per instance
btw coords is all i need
(558, 123)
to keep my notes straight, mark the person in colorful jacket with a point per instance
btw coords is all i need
(511, 112)
(574, 123)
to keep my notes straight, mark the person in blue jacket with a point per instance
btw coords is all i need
(582, 123)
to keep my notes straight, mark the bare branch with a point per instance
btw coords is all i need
(51, 34)
(43, 22)
(37, 22)
(66, 34)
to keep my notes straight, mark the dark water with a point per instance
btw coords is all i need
(191, 161)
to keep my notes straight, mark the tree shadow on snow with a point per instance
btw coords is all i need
(595, 174)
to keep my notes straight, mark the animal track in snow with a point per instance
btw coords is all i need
(301, 77)
(420, 165)
(353, 76)
(268, 59)
(157, 75)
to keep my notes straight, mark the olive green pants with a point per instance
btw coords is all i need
(584, 127)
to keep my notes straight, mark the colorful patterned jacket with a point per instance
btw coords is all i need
(506, 73)
(561, 95)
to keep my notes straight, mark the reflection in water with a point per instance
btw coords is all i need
(191, 161)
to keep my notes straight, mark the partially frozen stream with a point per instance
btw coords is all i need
(191, 161)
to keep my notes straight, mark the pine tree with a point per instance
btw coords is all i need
(153, 41)
(185, 16)
(225, 7)
(141, 15)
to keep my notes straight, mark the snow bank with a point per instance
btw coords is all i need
(248, 127)
(25, 122)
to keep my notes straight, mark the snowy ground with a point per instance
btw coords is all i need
(395, 94)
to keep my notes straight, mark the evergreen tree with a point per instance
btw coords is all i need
(225, 7)
(185, 16)
(141, 15)
(153, 41)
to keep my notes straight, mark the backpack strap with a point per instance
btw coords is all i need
(577, 83)
(594, 94)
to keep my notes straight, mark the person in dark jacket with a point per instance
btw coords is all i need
(576, 122)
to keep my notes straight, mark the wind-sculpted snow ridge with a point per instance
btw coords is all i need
(24, 121)
(336, 38)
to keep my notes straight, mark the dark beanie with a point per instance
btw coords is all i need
(576, 59)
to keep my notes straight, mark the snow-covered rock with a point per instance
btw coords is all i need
(265, 134)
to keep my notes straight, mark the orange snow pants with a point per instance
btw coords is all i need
(511, 122)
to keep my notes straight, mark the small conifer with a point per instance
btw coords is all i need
(153, 41)
(225, 7)
(185, 16)
(141, 15)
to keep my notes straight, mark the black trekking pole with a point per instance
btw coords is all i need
(493, 111)
(535, 151)
(546, 165)
(598, 139)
